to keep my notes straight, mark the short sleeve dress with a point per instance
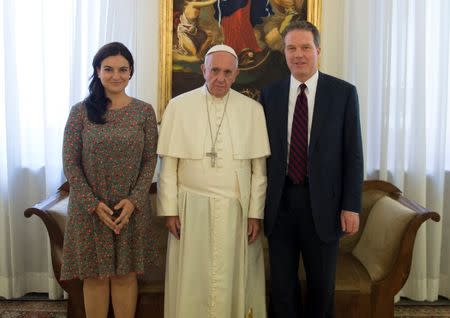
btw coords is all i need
(108, 163)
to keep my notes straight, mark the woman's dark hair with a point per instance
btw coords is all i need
(97, 102)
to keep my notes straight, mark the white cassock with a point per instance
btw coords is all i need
(212, 271)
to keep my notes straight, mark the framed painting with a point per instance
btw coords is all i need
(188, 28)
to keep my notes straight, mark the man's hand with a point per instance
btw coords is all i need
(127, 209)
(105, 213)
(253, 229)
(349, 222)
(173, 225)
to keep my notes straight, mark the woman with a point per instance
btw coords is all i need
(109, 156)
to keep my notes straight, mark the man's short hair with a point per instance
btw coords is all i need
(302, 25)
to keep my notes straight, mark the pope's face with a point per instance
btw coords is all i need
(220, 71)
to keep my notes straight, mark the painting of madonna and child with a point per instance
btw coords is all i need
(251, 27)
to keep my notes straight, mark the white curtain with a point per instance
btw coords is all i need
(46, 48)
(397, 54)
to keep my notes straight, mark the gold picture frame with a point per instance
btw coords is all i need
(166, 55)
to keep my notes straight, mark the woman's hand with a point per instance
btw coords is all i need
(105, 214)
(127, 210)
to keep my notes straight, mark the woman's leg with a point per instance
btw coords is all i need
(124, 291)
(96, 297)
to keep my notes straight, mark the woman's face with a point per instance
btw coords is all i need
(114, 73)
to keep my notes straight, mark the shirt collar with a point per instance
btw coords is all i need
(310, 83)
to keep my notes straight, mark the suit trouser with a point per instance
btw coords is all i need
(294, 234)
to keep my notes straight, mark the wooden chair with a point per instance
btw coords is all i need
(53, 212)
(373, 265)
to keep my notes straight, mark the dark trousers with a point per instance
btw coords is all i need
(294, 235)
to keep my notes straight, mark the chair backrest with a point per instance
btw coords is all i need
(389, 224)
(59, 213)
(380, 241)
(373, 190)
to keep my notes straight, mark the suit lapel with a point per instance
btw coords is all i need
(321, 104)
(282, 115)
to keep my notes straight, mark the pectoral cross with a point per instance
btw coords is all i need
(213, 155)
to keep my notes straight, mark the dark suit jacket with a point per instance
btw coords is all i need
(335, 157)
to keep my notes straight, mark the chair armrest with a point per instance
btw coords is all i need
(387, 241)
(56, 235)
(402, 265)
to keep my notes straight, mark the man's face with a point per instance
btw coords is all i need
(220, 71)
(302, 55)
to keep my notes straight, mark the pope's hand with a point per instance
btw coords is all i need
(253, 229)
(173, 225)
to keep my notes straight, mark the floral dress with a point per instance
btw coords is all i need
(108, 163)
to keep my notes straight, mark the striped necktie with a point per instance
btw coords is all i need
(298, 154)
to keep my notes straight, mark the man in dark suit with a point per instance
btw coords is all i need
(315, 176)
